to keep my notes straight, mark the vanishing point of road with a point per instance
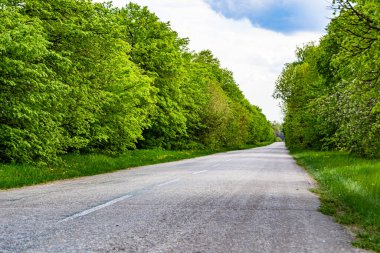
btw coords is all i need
(255, 200)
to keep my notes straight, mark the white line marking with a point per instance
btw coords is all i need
(169, 182)
(199, 172)
(96, 208)
(215, 165)
(228, 160)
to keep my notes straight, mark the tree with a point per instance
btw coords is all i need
(78, 76)
(31, 97)
(331, 94)
(158, 50)
(109, 98)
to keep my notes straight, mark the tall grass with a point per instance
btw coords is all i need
(349, 190)
(15, 175)
(89, 164)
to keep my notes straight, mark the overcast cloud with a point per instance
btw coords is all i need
(256, 55)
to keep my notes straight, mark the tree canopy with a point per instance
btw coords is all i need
(77, 76)
(331, 94)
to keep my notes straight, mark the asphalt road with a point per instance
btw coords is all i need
(243, 201)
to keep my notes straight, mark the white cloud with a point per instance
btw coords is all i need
(255, 56)
(242, 6)
(286, 16)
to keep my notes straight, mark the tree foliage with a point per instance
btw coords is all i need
(77, 76)
(331, 94)
(31, 97)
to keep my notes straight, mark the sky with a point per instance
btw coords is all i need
(252, 38)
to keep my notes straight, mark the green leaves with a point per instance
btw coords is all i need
(336, 98)
(77, 76)
(28, 120)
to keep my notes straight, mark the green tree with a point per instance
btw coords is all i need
(31, 94)
(109, 97)
(78, 76)
(158, 50)
(331, 93)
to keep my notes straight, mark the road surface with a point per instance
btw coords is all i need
(254, 200)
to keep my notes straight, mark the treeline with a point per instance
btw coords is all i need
(77, 76)
(331, 94)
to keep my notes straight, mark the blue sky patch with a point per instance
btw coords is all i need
(285, 16)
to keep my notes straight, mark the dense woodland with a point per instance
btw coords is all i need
(331, 94)
(80, 77)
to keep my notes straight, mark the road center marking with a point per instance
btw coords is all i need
(199, 172)
(168, 182)
(96, 208)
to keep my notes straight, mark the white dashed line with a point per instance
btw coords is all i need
(96, 208)
(199, 172)
(169, 182)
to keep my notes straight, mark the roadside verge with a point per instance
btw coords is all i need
(349, 189)
(78, 165)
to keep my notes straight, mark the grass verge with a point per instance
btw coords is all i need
(349, 191)
(14, 175)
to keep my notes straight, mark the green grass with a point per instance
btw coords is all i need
(349, 191)
(13, 175)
